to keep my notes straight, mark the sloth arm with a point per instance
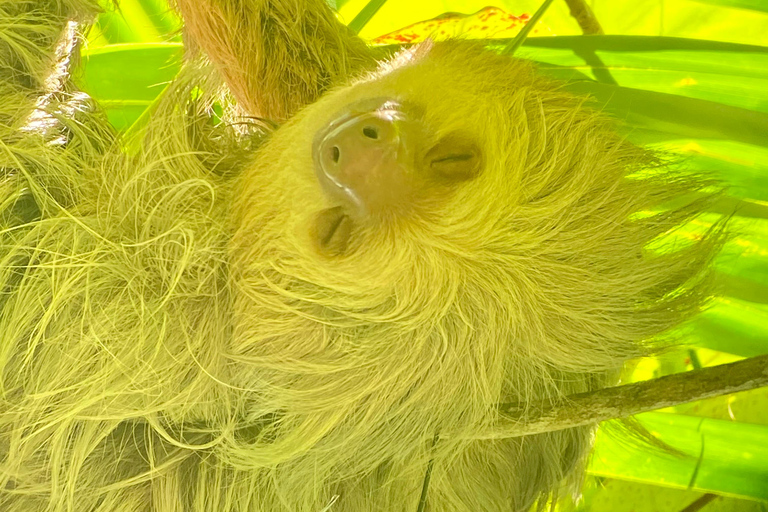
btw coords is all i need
(30, 31)
(275, 55)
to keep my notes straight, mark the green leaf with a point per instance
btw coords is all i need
(734, 326)
(668, 88)
(718, 456)
(125, 79)
(677, 116)
(138, 21)
(732, 74)
(165, 21)
(630, 43)
(754, 5)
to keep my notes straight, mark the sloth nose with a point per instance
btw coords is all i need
(366, 158)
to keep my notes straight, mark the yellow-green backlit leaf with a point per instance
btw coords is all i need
(125, 79)
(718, 456)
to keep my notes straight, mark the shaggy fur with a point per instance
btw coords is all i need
(171, 341)
(275, 55)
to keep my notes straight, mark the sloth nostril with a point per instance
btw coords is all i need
(371, 132)
(335, 154)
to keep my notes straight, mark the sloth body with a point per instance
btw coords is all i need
(203, 326)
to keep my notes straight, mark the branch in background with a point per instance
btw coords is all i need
(512, 47)
(365, 15)
(590, 26)
(623, 401)
(585, 17)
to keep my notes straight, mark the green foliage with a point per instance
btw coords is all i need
(717, 456)
(126, 78)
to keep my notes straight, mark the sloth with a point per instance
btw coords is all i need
(303, 303)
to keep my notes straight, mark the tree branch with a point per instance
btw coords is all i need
(622, 401)
(584, 16)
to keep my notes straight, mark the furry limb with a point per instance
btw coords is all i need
(30, 31)
(40, 111)
(623, 401)
(275, 55)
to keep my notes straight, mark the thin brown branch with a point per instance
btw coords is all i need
(623, 401)
(584, 16)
